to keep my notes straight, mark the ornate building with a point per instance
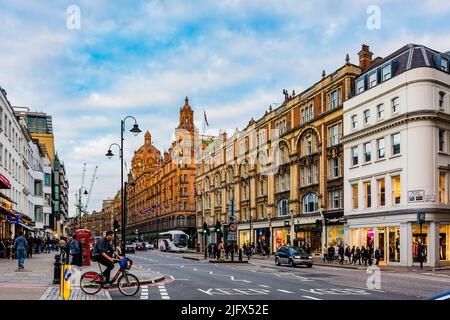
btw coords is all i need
(282, 174)
(161, 188)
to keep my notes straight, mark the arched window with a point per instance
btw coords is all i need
(283, 207)
(310, 203)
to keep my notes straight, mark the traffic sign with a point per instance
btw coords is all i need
(233, 227)
(232, 237)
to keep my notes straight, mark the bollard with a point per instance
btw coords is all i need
(57, 270)
(240, 254)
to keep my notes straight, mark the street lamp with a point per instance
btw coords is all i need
(109, 154)
(79, 203)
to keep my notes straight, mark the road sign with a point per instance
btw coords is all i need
(233, 227)
(232, 237)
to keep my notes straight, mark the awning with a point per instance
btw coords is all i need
(25, 226)
(4, 183)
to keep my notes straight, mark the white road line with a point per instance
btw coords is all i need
(284, 291)
(264, 286)
(312, 298)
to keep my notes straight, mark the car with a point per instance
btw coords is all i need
(130, 248)
(140, 246)
(149, 246)
(440, 296)
(293, 256)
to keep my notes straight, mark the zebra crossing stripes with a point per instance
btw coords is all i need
(163, 293)
(144, 293)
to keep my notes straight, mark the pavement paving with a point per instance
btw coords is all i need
(187, 279)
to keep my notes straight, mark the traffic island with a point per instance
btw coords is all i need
(192, 258)
(228, 261)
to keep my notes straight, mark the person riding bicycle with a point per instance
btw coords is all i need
(104, 254)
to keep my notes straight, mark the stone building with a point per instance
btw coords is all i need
(282, 174)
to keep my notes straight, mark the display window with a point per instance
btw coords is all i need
(394, 244)
(444, 242)
(335, 235)
(244, 238)
(420, 242)
(281, 236)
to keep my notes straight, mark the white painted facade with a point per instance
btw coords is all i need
(418, 164)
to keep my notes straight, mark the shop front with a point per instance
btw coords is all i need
(308, 236)
(281, 236)
(5, 211)
(444, 243)
(334, 225)
(262, 237)
(244, 237)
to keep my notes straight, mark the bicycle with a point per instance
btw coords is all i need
(92, 282)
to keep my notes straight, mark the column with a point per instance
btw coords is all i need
(405, 244)
(433, 244)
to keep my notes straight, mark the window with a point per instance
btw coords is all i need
(366, 116)
(335, 199)
(395, 105)
(442, 190)
(334, 168)
(38, 188)
(381, 148)
(316, 173)
(381, 193)
(283, 207)
(396, 143)
(187, 143)
(335, 99)
(47, 180)
(367, 152)
(308, 176)
(354, 156)
(373, 80)
(368, 194)
(380, 111)
(310, 203)
(396, 190)
(354, 122)
(38, 213)
(444, 64)
(261, 210)
(360, 86)
(310, 112)
(441, 99)
(308, 145)
(441, 140)
(335, 135)
(386, 72)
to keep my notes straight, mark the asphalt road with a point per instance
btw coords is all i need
(262, 280)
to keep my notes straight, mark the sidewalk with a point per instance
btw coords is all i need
(35, 282)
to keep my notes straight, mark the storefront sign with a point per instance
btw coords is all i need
(334, 218)
(430, 198)
(416, 195)
(5, 204)
(307, 227)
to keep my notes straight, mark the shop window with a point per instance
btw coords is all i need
(444, 242)
(420, 240)
(394, 244)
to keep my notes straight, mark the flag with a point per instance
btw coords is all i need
(206, 120)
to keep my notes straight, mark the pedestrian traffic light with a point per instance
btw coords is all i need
(218, 226)
(116, 226)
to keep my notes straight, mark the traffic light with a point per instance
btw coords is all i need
(218, 226)
(205, 229)
(116, 226)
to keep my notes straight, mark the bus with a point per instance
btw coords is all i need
(174, 240)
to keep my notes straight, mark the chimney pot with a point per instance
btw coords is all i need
(365, 57)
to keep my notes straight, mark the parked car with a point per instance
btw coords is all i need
(149, 246)
(130, 248)
(293, 256)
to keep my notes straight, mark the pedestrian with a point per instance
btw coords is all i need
(336, 252)
(341, 254)
(363, 255)
(348, 254)
(325, 253)
(30, 246)
(377, 256)
(370, 255)
(357, 256)
(74, 250)
(209, 250)
(20, 244)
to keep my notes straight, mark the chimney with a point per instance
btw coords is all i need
(365, 57)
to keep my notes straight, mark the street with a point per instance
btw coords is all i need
(262, 280)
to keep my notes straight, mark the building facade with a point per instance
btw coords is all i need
(161, 187)
(396, 138)
(282, 175)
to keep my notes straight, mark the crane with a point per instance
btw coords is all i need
(90, 189)
(82, 184)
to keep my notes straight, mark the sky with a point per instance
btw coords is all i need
(89, 63)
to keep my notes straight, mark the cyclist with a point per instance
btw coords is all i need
(104, 254)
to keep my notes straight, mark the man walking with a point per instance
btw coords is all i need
(341, 254)
(20, 244)
(75, 251)
(30, 242)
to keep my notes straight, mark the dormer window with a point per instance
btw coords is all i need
(360, 86)
(444, 64)
(373, 80)
(386, 71)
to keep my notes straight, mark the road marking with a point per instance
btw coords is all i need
(234, 292)
(163, 292)
(264, 286)
(144, 293)
(284, 291)
(312, 298)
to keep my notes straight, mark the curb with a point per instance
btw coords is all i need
(230, 262)
(160, 279)
(191, 258)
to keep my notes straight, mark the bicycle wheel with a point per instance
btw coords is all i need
(128, 284)
(91, 282)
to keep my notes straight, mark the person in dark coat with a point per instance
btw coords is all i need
(364, 255)
(341, 254)
(30, 242)
(348, 254)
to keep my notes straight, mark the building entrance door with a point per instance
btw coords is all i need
(381, 243)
